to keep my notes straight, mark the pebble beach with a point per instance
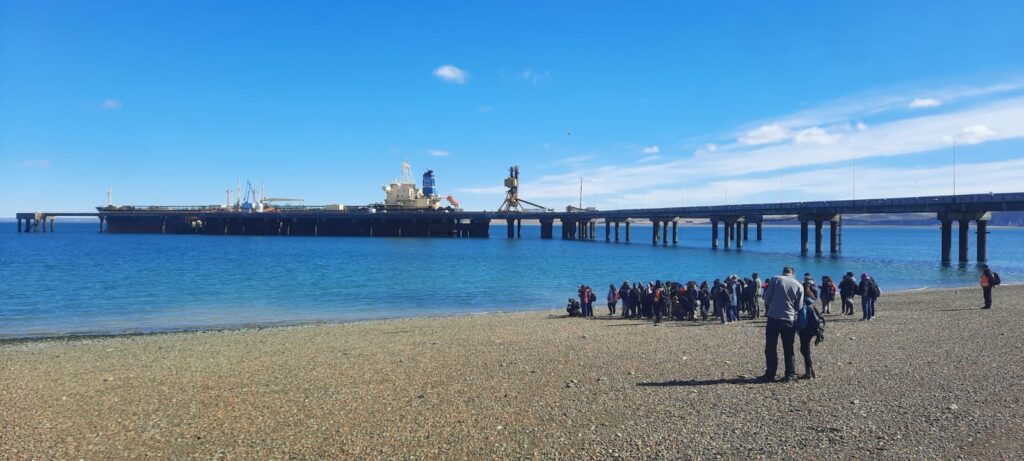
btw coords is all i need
(932, 377)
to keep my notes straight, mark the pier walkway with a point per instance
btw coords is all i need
(735, 221)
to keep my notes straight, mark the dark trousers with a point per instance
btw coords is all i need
(611, 307)
(773, 329)
(588, 309)
(658, 308)
(806, 338)
(988, 296)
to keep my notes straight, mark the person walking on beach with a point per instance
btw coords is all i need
(782, 298)
(847, 289)
(989, 279)
(828, 293)
(613, 299)
(869, 292)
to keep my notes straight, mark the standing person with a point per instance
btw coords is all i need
(721, 294)
(588, 302)
(782, 298)
(627, 300)
(758, 292)
(847, 290)
(735, 289)
(613, 299)
(705, 300)
(989, 279)
(828, 293)
(637, 296)
(810, 325)
(692, 300)
(657, 301)
(869, 292)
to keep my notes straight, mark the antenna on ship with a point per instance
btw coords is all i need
(110, 196)
(406, 177)
(238, 193)
(228, 204)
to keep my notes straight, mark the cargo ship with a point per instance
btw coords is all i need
(407, 211)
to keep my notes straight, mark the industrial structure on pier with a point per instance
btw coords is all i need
(411, 212)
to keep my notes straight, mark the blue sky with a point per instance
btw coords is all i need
(653, 104)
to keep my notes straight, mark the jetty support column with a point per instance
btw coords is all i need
(511, 228)
(19, 225)
(655, 227)
(616, 231)
(664, 232)
(803, 237)
(519, 228)
(714, 234)
(593, 229)
(760, 235)
(728, 233)
(546, 228)
(627, 229)
(835, 242)
(740, 223)
(675, 232)
(982, 226)
(607, 230)
(947, 240)
(818, 236)
(746, 230)
(965, 228)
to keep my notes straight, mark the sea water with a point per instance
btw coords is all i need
(79, 281)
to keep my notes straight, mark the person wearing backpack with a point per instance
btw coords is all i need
(810, 326)
(869, 292)
(828, 293)
(847, 290)
(613, 299)
(989, 279)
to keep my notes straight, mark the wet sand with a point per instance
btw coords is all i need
(932, 377)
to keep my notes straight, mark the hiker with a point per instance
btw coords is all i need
(690, 300)
(828, 293)
(705, 300)
(721, 297)
(810, 326)
(658, 299)
(613, 299)
(735, 289)
(750, 298)
(869, 292)
(847, 289)
(989, 279)
(573, 308)
(782, 298)
(588, 301)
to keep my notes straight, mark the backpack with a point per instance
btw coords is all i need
(995, 279)
(877, 292)
(832, 288)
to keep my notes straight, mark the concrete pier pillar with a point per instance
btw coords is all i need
(739, 236)
(519, 228)
(654, 231)
(19, 225)
(627, 230)
(607, 231)
(834, 243)
(746, 230)
(593, 230)
(803, 237)
(728, 234)
(714, 234)
(818, 237)
(675, 233)
(44, 225)
(965, 227)
(511, 227)
(616, 231)
(664, 232)
(947, 240)
(564, 226)
(760, 235)
(982, 240)
(546, 226)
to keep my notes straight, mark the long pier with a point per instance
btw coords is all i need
(735, 221)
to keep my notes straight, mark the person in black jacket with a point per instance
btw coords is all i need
(626, 295)
(847, 290)
(869, 292)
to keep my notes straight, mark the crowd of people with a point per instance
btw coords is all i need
(790, 307)
(725, 300)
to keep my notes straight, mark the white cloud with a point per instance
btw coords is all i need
(110, 104)
(533, 76)
(650, 158)
(438, 152)
(450, 73)
(975, 134)
(652, 150)
(41, 163)
(764, 134)
(861, 126)
(920, 103)
(711, 147)
(816, 136)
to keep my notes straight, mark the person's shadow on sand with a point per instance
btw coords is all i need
(704, 382)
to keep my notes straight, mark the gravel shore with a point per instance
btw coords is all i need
(933, 377)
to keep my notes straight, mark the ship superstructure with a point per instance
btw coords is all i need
(403, 194)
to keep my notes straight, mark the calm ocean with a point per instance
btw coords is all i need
(78, 281)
